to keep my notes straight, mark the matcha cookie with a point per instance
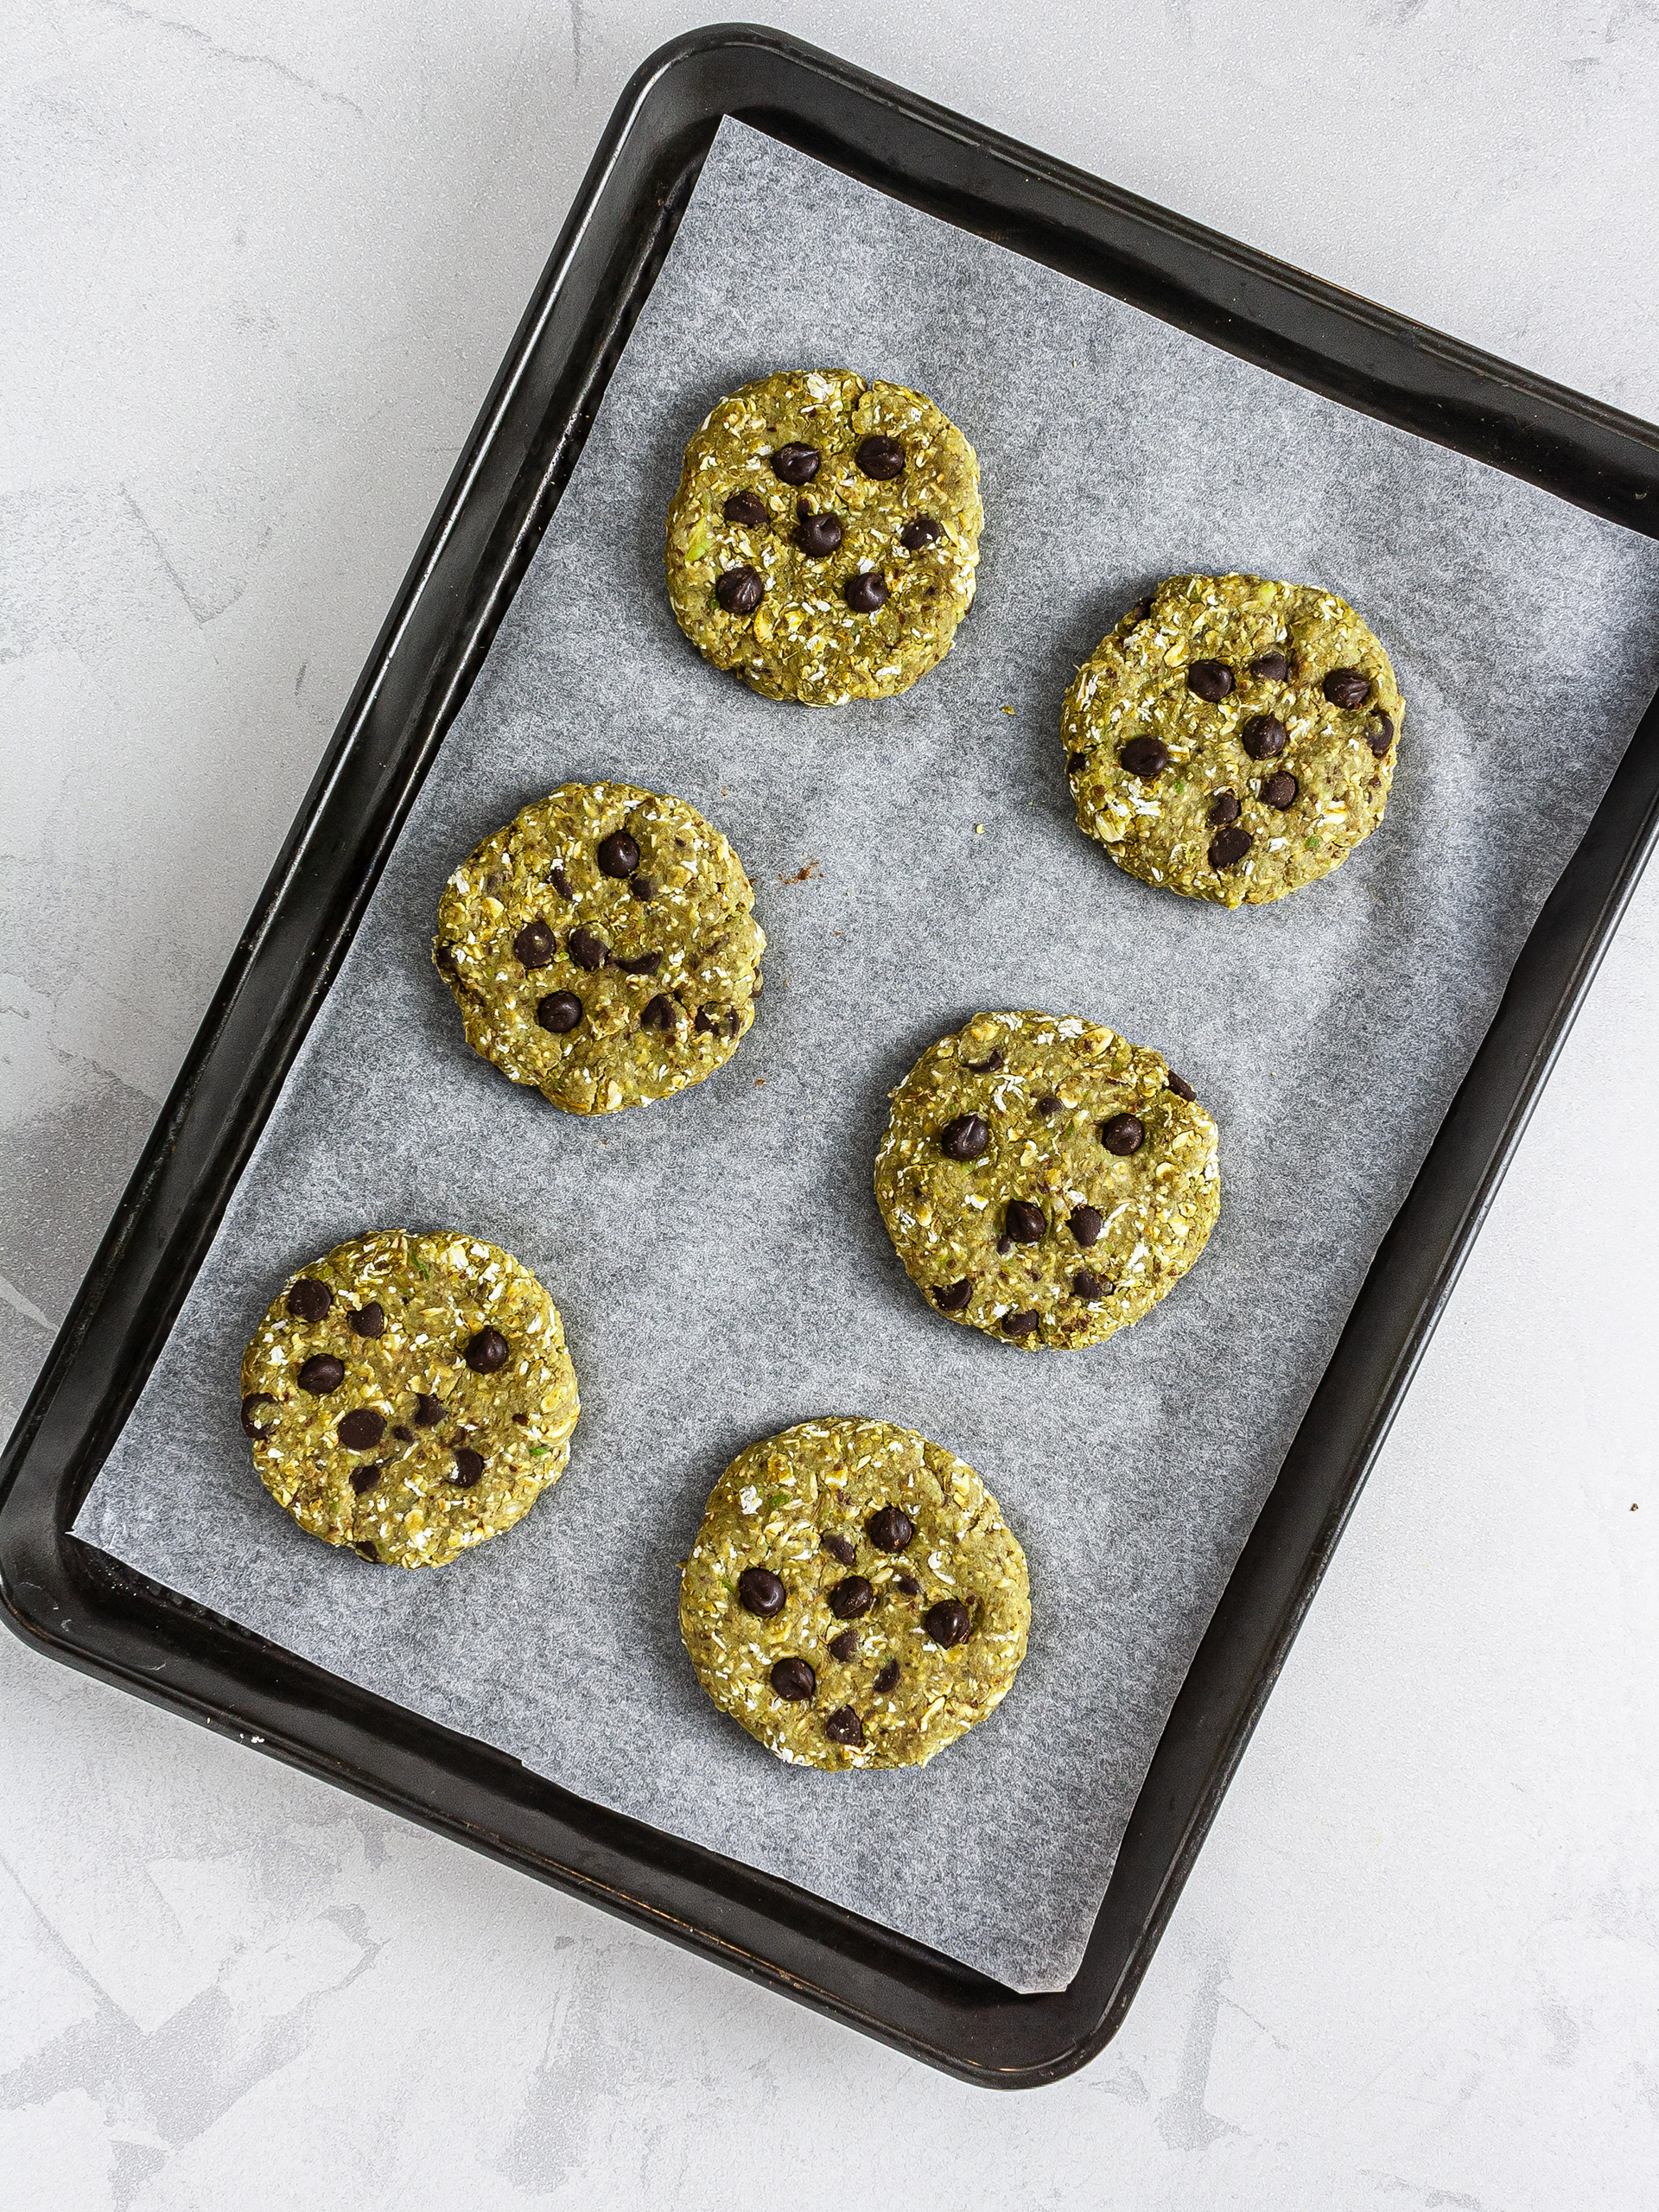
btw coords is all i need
(603, 946)
(1233, 739)
(1044, 1181)
(824, 539)
(410, 1395)
(853, 1597)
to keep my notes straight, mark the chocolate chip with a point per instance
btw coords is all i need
(1223, 807)
(660, 1013)
(586, 950)
(709, 1025)
(561, 882)
(1021, 1325)
(818, 535)
(1211, 679)
(866, 591)
(1086, 1223)
(1379, 736)
(1123, 1134)
(839, 1547)
(851, 1599)
(1280, 790)
(428, 1412)
(844, 1647)
(1347, 687)
(310, 1299)
(920, 531)
(404, 1435)
(1005, 1245)
(890, 1528)
(1025, 1223)
(953, 1298)
(365, 1477)
(1145, 757)
(1263, 736)
(1180, 1087)
(534, 945)
(908, 1584)
(740, 590)
(469, 1467)
(747, 509)
(1229, 847)
(1074, 761)
(1047, 1104)
(794, 1679)
(948, 1622)
(1088, 1286)
(368, 1551)
(759, 1590)
(1272, 667)
(643, 888)
(844, 1727)
(646, 964)
(369, 1320)
(445, 956)
(486, 1351)
(796, 464)
(560, 1011)
(880, 457)
(362, 1430)
(886, 1679)
(965, 1138)
(321, 1373)
(618, 853)
(985, 1066)
(251, 1406)
(523, 1420)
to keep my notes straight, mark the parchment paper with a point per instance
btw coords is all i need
(718, 1258)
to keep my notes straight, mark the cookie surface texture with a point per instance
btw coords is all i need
(410, 1395)
(1233, 739)
(853, 1597)
(603, 946)
(1042, 1180)
(822, 542)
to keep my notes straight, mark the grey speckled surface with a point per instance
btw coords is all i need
(718, 1257)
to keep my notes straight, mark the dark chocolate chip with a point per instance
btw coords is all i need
(948, 1622)
(707, 1024)
(795, 1679)
(369, 1320)
(890, 1528)
(660, 1013)
(561, 882)
(362, 1430)
(759, 1590)
(953, 1298)
(560, 1011)
(1025, 1221)
(796, 464)
(1280, 790)
(251, 1406)
(908, 1584)
(740, 590)
(851, 1599)
(1086, 1225)
(1088, 1286)
(748, 509)
(1123, 1134)
(534, 945)
(844, 1727)
(1272, 667)
(965, 1138)
(920, 531)
(1380, 735)
(1211, 679)
(1047, 1104)
(844, 1647)
(732, 1019)
(646, 964)
(866, 591)
(1229, 847)
(880, 457)
(1346, 687)
(469, 1467)
(1145, 757)
(1223, 807)
(643, 888)
(321, 1373)
(523, 1420)
(586, 950)
(1074, 761)
(428, 1412)
(486, 1351)
(445, 956)
(1263, 736)
(365, 1477)
(368, 1551)
(985, 1066)
(886, 1679)
(618, 853)
(839, 1547)
(818, 535)
(404, 1435)
(1021, 1325)
(310, 1299)
(1181, 1088)
(1005, 1245)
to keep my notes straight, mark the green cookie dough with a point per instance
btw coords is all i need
(410, 1395)
(1241, 798)
(1044, 1181)
(913, 527)
(603, 946)
(868, 1571)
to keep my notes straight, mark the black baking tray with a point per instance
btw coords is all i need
(83, 1607)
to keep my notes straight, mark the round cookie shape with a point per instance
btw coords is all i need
(905, 1603)
(603, 946)
(431, 1429)
(1233, 739)
(1044, 1181)
(822, 542)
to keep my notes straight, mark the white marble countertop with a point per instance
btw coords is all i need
(260, 264)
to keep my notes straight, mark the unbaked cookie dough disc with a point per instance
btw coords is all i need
(822, 543)
(1233, 739)
(853, 1597)
(603, 946)
(410, 1395)
(1044, 1181)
